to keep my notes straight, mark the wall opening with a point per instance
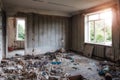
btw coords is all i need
(15, 36)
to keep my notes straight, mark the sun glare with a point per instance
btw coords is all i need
(107, 16)
(99, 27)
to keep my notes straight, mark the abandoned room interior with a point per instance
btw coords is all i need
(59, 39)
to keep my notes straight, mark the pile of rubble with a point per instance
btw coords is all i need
(110, 71)
(35, 67)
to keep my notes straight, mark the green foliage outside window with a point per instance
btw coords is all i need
(100, 33)
(21, 32)
(99, 27)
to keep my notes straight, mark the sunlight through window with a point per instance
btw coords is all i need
(20, 23)
(98, 27)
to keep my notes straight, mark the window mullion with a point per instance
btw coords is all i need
(94, 32)
(88, 27)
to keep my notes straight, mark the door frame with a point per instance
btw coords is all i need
(25, 41)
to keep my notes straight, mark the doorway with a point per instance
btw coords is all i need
(15, 36)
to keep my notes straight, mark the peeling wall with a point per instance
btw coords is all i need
(78, 35)
(78, 38)
(11, 29)
(46, 33)
(77, 32)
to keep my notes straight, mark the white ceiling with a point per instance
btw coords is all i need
(68, 6)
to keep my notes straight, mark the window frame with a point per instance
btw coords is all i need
(19, 18)
(87, 28)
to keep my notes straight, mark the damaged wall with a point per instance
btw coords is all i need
(1, 37)
(2, 31)
(78, 36)
(46, 33)
(78, 33)
(12, 42)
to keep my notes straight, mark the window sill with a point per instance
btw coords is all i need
(99, 44)
(20, 40)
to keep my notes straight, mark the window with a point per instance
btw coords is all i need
(20, 23)
(98, 27)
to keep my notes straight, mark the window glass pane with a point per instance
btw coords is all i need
(106, 15)
(102, 15)
(20, 29)
(99, 31)
(92, 33)
(94, 17)
(108, 19)
(108, 27)
(108, 33)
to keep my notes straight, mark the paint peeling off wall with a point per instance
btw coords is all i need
(12, 42)
(46, 33)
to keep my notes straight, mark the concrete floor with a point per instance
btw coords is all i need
(12, 53)
(86, 67)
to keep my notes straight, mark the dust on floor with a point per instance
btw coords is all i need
(59, 66)
(12, 53)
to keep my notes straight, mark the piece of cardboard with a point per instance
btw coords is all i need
(109, 53)
(88, 50)
(77, 77)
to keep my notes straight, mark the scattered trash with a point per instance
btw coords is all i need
(62, 50)
(90, 69)
(109, 70)
(108, 76)
(54, 66)
(77, 77)
(56, 63)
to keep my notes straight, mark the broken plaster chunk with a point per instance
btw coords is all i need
(62, 50)
(45, 74)
(67, 74)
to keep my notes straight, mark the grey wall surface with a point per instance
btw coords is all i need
(46, 33)
(77, 32)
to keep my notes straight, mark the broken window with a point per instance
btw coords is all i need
(20, 24)
(98, 27)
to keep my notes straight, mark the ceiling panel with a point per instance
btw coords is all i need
(55, 5)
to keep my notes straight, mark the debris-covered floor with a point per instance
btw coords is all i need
(52, 66)
(12, 53)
